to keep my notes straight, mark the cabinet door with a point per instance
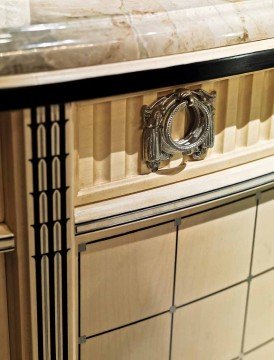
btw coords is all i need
(127, 278)
(214, 250)
(147, 340)
(4, 329)
(264, 240)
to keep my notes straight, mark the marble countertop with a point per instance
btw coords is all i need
(65, 34)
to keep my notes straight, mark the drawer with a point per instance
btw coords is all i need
(148, 339)
(214, 249)
(264, 241)
(127, 278)
(211, 328)
(108, 137)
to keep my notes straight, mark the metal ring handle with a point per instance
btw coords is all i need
(158, 118)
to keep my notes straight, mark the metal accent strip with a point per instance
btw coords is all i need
(175, 206)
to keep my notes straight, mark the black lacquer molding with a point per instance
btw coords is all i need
(23, 97)
(49, 196)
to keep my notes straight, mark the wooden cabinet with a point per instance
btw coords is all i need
(171, 265)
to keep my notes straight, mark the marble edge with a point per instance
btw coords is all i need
(134, 36)
(89, 72)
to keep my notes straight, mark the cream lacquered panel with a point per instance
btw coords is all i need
(210, 328)
(127, 278)
(260, 315)
(146, 340)
(214, 250)
(264, 244)
(108, 137)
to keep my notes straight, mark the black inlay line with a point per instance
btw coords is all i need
(174, 290)
(9, 238)
(22, 97)
(227, 288)
(212, 294)
(165, 212)
(163, 312)
(127, 325)
(250, 277)
(48, 125)
(259, 346)
(51, 254)
(128, 232)
(37, 245)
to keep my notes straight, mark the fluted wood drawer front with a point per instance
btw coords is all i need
(147, 340)
(264, 240)
(108, 136)
(211, 328)
(260, 314)
(214, 249)
(127, 278)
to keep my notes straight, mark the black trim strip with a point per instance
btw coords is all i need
(226, 288)
(8, 238)
(127, 325)
(22, 97)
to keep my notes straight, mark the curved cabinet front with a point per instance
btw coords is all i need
(174, 290)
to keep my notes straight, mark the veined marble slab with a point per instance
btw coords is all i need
(75, 33)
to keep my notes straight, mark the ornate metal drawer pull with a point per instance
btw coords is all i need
(158, 143)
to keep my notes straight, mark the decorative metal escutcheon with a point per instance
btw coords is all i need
(158, 144)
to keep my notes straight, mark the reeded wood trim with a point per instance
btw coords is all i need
(108, 137)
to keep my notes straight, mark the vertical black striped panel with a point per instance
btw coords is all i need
(46, 142)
